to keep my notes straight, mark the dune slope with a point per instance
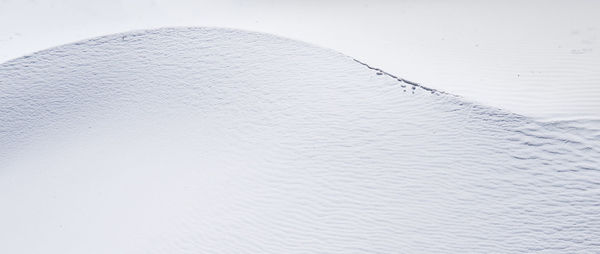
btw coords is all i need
(196, 140)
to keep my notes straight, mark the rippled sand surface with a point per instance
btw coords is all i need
(222, 141)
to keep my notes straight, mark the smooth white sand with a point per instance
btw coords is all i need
(221, 141)
(536, 58)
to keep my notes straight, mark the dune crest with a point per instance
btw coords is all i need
(194, 140)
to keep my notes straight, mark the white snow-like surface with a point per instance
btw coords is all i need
(222, 141)
(539, 58)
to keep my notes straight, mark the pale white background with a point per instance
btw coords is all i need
(537, 58)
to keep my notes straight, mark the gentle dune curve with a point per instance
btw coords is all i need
(196, 140)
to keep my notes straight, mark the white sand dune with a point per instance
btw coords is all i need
(539, 58)
(196, 140)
